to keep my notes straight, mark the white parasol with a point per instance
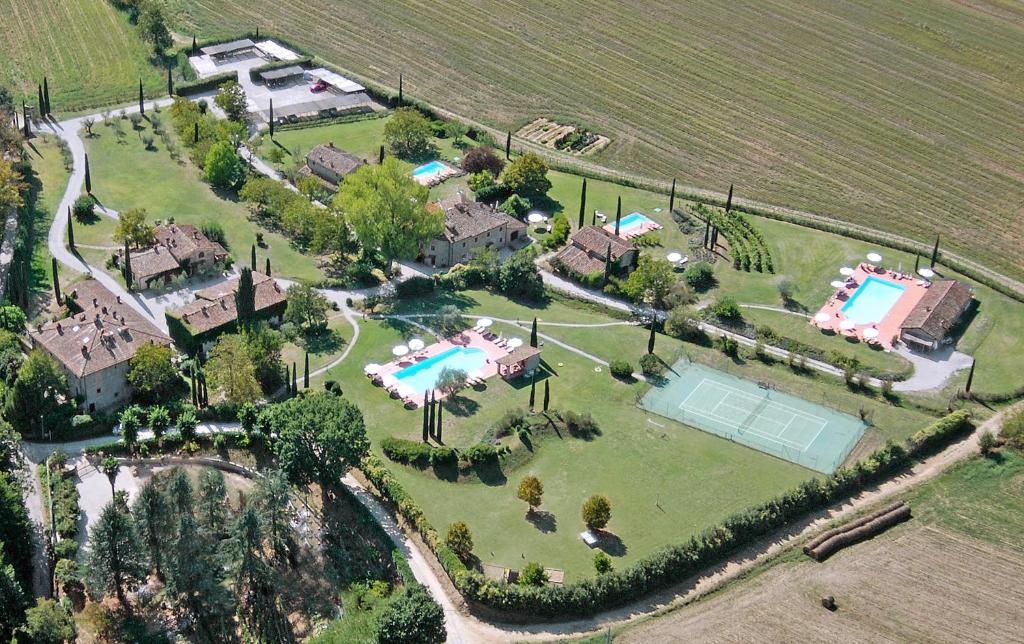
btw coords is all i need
(389, 380)
(838, 284)
(846, 271)
(372, 369)
(874, 257)
(405, 391)
(415, 344)
(535, 217)
(926, 273)
(400, 350)
(871, 333)
(847, 325)
(822, 317)
(484, 322)
(514, 343)
(674, 257)
(477, 375)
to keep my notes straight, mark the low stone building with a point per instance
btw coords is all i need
(178, 250)
(928, 324)
(469, 227)
(197, 325)
(94, 345)
(331, 164)
(588, 249)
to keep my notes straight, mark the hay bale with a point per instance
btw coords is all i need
(870, 529)
(828, 534)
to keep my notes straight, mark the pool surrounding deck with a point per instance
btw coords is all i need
(872, 301)
(422, 377)
(633, 225)
(432, 173)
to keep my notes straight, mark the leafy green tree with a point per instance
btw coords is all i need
(133, 229)
(38, 395)
(515, 206)
(482, 159)
(211, 500)
(110, 467)
(460, 540)
(153, 374)
(115, 558)
(519, 277)
(726, 308)
(264, 346)
(231, 370)
(152, 25)
(13, 600)
(650, 283)
(531, 490)
(131, 420)
(387, 210)
(597, 511)
(320, 436)
(84, 208)
(449, 320)
(187, 423)
(407, 134)
(155, 521)
(159, 421)
(307, 307)
(12, 319)
(231, 98)
(451, 380)
(602, 563)
(223, 167)
(700, 276)
(10, 357)
(533, 574)
(527, 176)
(411, 618)
(48, 622)
(272, 498)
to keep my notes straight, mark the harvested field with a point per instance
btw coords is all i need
(917, 584)
(86, 48)
(905, 116)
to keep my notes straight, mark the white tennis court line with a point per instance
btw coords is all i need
(729, 391)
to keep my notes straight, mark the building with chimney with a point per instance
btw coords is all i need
(469, 227)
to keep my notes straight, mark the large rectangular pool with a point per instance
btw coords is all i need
(423, 376)
(871, 302)
(434, 167)
(632, 221)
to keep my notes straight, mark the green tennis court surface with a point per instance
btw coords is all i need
(755, 415)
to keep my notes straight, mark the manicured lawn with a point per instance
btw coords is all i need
(323, 349)
(126, 175)
(640, 460)
(50, 178)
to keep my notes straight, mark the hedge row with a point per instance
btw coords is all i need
(669, 564)
(337, 120)
(201, 85)
(417, 453)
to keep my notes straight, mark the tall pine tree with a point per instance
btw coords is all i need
(672, 198)
(88, 176)
(935, 251)
(533, 334)
(608, 263)
(71, 231)
(142, 105)
(46, 94)
(650, 340)
(128, 277)
(437, 431)
(305, 373)
(618, 214)
(533, 390)
(547, 393)
(508, 145)
(426, 418)
(271, 119)
(583, 202)
(56, 280)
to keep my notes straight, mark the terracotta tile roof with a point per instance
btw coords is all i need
(215, 307)
(465, 218)
(103, 335)
(518, 355)
(183, 240)
(940, 308)
(589, 245)
(337, 160)
(152, 261)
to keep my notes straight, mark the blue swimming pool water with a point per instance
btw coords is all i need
(421, 377)
(633, 220)
(870, 303)
(430, 168)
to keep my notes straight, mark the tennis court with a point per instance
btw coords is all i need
(756, 415)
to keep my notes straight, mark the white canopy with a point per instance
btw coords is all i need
(871, 333)
(405, 391)
(822, 317)
(416, 344)
(838, 284)
(373, 368)
(926, 272)
(484, 322)
(336, 80)
(389, 380)
(874, 257)
(846, 271)
(514, 343)
(536, 217)
(400, 350)
(847, 325)
(674, 257)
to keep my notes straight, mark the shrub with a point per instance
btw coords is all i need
(533, 574)
(700, 276)
(597, 511)
(986, 443)
(727, 345)
(414, 287)
(406, 451)
(491, 193)
(66, 549)
(559, 232)
(84, 208)
(580, 425)
(79, 421)
(219, 441)
(510, 423)
(460, 540)
(726, 308)
(66, 570)
(481, 159)
(481, 454)
(682, 322)
(650, 365)
(481, 180)
(621, 369)
(515, 206)
(602, 563)
(1012, 430)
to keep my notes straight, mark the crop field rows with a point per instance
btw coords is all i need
(86, 48)
(902, 117)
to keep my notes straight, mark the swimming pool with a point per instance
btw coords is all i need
(872, 300)
(421, 377)
(433, 167)
(632, 221)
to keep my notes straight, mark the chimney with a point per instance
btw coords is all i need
(39, 328)
(85, 352)
(104, 310)
(224, 305)
(118, 299)
(60, 329)
(95, 302)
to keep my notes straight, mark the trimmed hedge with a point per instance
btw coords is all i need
(941, 431)
(201, 85)
(415, 453)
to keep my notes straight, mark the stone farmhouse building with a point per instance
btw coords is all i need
(178, 250)
(469, 227)
(331, 164)
(588, 248)
(928, 325)
(94, 345)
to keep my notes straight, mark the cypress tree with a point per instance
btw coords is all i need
(714, 238)
(917, 261)
(271, 119)
(295, 380)
(195, 46)
(533, 334)
(650, 340)
(245, 299)
(380, 155)
(206, 391)
(142, 106)
(305, 373)
(440, 408)
(583, 202)
(267, 268)
(257, 32)
(970, 376)
(71, 231)
(433, 415)
(608, 263)
(253, 257)
(127, 267)
(170, 83)
(533, 390)
(618, 214)
(195, 389)
(56, 279)
(24, 117)
(46, 94)
(547, 393)
(508, 146)
(195, 133)
(935, 251)
(593, 218)
(42, 105)
(707, 232)
(426, 418)
(88, 176)
(401, 98)
(672, 197)
(728, 200)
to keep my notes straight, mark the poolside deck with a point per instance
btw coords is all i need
(889, 327)
(636, 231)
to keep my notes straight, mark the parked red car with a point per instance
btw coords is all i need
(319, 87)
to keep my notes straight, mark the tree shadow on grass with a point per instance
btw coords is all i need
(611, 544)
(543, 521)
(446, 472)
(461, 406)
(490, 473)
(323, 341)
